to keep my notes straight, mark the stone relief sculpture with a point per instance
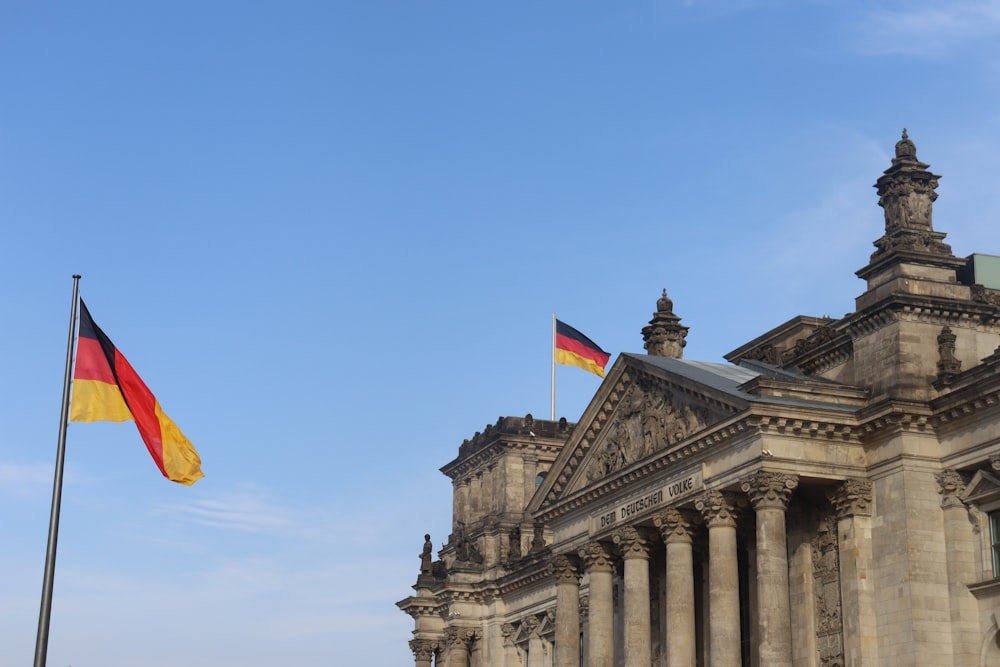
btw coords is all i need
(465, 549)
(826, 575)
(648, 419)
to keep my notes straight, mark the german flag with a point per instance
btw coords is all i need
(107, 388)
(575, 349)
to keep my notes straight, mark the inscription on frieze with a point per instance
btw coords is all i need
(643, 502)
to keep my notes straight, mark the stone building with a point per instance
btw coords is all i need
(830, 496)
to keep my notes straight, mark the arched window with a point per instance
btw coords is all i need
(539, 478)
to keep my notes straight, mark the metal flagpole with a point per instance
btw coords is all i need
(42, 642)
(552, 406)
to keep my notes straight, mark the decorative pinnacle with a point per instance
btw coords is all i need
(906, 149)
(664, 336)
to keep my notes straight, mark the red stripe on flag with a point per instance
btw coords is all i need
(142, 404)
(91, 364)
(581, 349)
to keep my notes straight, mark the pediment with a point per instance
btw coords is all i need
(983, 488)
(642, 409)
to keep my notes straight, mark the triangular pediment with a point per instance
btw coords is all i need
(984, 487)
(646, 405)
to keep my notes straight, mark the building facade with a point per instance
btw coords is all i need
(829, 496)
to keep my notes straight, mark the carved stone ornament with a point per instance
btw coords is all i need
(664, 335)
(648, 418)
(769, 490)
(906, 193)
(423, 649)
(465, 548)
(565, 569)
(531, 625)
(947, 364)
(951, 486)
(852, 498)
(719, 508)
(826, 575)
(675, 525)
(537, 537)
(985, 295)
(514, 543)
(508, 632)
(460, 637)
(596, 556)
(633, 542)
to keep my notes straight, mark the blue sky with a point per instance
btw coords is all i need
(331, 235)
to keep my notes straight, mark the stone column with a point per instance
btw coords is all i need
(600, 622)
(475, 497)
(676, 528)
(423, 651)
(458, 646)
(461, 512)
(567, 611)
(852, 502)
(634, 545)
(961, 541)
(769, 494)
(719, 509)
(530, 472)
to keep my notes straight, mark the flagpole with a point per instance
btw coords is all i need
(552, 404)
(45, 613)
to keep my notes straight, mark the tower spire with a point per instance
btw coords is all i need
(906, 193)
(664, 335)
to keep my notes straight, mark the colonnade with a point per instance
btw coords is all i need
(768, 495)
(717, 513)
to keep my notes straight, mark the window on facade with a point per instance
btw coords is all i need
(539, 478)
(995, 541)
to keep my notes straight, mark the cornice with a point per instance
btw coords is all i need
(481, 458)
(964, 405)
(894, 416)
(920, 308)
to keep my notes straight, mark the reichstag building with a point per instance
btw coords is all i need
(827, 496)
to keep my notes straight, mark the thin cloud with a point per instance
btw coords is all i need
(239, 511)
(927, 29)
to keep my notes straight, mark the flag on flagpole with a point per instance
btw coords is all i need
(575, 349)
(107, 388)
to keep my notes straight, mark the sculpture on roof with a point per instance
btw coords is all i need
(664, 335)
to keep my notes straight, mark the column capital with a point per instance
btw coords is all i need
(596, 557)
(633, 542)
(852, 498)
(719, 508)
(566, 569)
(460, 636)
(675, 525)
(951, 486)
(423, 649)
(769, 490)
